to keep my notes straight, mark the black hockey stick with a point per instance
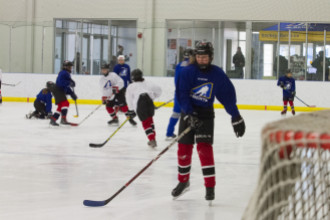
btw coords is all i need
(92, 203)
(9, 84)
(165, 103)
(106, 141)
(90, 114)
(310, 106)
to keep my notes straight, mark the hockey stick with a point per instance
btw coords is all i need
(106, 141)
(90, 114)
(9, 84)
(75, 102)
(310, 106)
(165, 103)
(92, 203)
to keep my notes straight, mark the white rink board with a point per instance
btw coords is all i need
(249, 92)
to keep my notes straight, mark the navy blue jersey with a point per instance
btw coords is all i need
(179, 68)
(289, 85)
(63, 81)
(46, 99)
(124, 72)
(195, 88)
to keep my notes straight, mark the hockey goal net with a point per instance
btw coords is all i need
(294, 176)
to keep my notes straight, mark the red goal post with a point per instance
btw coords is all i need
(294, 175)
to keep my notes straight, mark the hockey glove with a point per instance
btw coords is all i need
(72, 83)
(115, 90)
(293, 93)
(104, 100)
(193, 121)
(74, 96)
(238, 125)
(131, 114)
(282, 85)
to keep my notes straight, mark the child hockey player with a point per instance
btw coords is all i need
(112, 88)
(196, 88)
(287, 83)
(43, 104)
(140, 96)
(60, 90)
(188, 58)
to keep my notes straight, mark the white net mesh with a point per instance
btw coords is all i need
(294, 178)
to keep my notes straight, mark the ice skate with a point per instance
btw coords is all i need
(53, 122)
(64, 121)
(152, 143)
(283, 112)
(114, 121)
(293, 112)
(132, 122)
(180, 189)
(170, 138)
(209, 195)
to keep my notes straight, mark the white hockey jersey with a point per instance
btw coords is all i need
(134, 90)
(108, 82)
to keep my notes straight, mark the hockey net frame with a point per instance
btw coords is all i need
(294, 175)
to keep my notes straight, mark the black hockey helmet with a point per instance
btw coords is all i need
(67, 63)
(137, 75)
(188, 52)
(204, 48)
(288, 71)
(50, 84)
(105, 66)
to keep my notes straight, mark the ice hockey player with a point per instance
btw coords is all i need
(60, 89)
(124, 71)
(188, 59)
(140, 95)
(43, 104)
(0, 86)
(196, 88)
(288, 84)
(112, 88)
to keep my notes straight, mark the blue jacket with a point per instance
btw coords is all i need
(289, 85)
(46, 99)
(196, 88)
(124, 72)
(63, 81)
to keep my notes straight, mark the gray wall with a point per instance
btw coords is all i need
(29, 23)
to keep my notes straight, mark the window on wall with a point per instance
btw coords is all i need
(91, 43)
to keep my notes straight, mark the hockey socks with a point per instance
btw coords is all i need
(205, 152)
(171, 125)
(149, 128)
(184, 162)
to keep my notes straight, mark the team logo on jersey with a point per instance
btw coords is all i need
(288, 85)
(123, 72)
(108, 84)
(203, 92)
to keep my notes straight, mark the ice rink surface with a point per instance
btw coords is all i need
(47, 172)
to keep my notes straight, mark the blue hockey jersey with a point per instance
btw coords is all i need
(289, 85)
(196, 88)
(63, 81)
(124, 72)
(46, 99)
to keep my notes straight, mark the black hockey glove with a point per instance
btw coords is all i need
(193, 121)
(72, 83)
(115, 90)
(293, 93)
(238, 125)
(131, 114)
(74, 96)
(282, 85)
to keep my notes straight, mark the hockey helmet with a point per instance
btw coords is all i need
(137, 75)
(50, 84)
(188, 52)
(105, 66)
(67, 63)
(204, 48)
